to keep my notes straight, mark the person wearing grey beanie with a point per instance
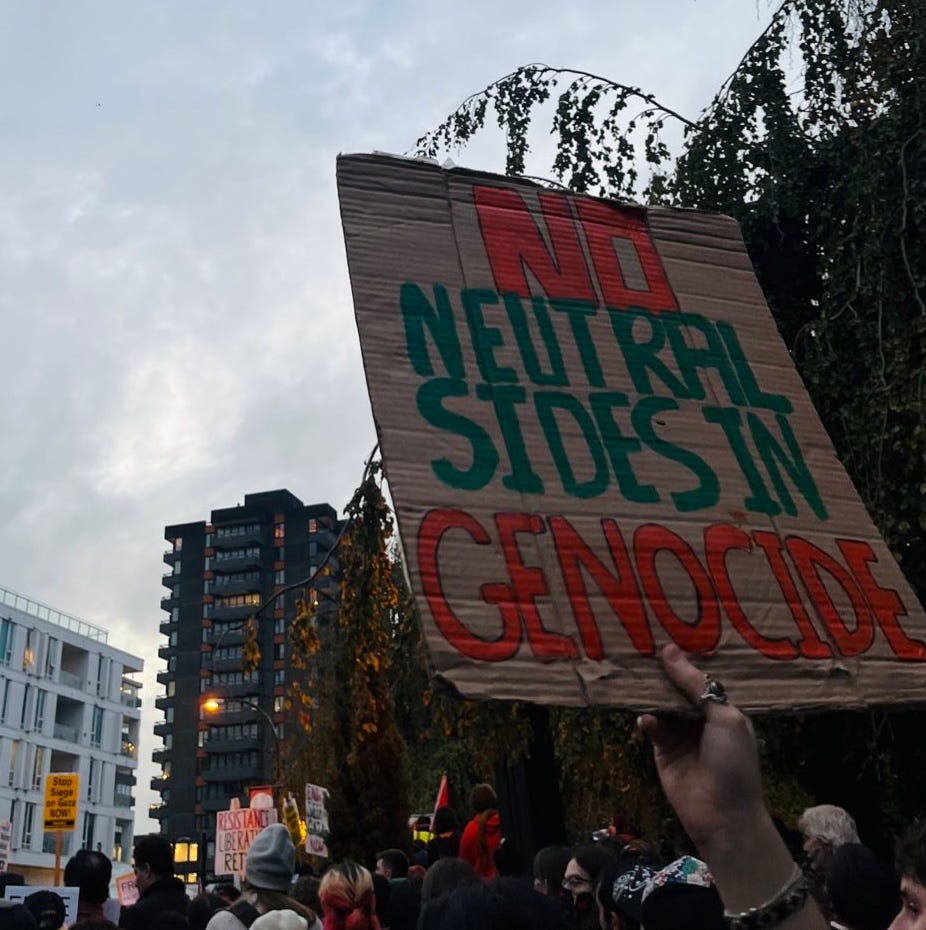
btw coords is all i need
(268, 875)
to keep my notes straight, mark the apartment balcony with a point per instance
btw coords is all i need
(160, 756)
(159, 783)
(168, 627)
(252, 537)
(227, 665)
(164, 677)
(212, 805)
(232, 745)
(123, 800)
(226, 635)
(235, 773)
(70, 680)
(165, 652)
(67, 733)
(162, 701)
(253, 586)
(170, 600)
(239, 564)
(241, 612)
(172, 555)
(169, 579)
(157, 811)
(162, 728)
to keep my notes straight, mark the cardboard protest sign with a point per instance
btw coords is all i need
(235, 830)
(597, 444)
(60, 808)
(127, 889)
(316, 820)
(18, 894)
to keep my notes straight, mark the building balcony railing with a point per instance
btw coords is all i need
(157, 811)
(123, 800)
(238, 612)
(129, 699)
(237, 564)
(70, 680)
(65, 732)
(169, 579)
(236, 773)
(169, 600)
(238, 540)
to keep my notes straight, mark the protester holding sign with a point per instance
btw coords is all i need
(709, 769)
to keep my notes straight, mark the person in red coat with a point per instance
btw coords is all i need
(483, 834)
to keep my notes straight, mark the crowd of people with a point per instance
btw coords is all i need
(725, 865)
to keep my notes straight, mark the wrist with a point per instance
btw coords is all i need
(732, 853)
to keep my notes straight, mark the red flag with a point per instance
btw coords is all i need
(442, 799)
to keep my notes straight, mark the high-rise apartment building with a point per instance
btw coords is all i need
(69, 702)
(221, 573)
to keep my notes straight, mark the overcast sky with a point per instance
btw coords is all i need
(175, 311)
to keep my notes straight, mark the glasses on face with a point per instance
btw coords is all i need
(575, 882)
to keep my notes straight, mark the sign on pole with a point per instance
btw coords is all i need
(61, 793)
(597, 444)
(316, 820)
(235, 830)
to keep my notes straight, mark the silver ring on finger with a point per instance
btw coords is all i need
(714, 691)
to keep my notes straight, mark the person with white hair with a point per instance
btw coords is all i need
(825, 828)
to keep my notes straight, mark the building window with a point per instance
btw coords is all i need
(248, 529)
(178, 544)
(32, 642)
(279, 577)
(313, 525)
(14, 756)
(245, 552)
(279, 625)
(102, 676)
(6, 700)
(39, 718)
(171, 688)
(38, 768)
(279, 676)
(51, 657)
(279, 533)
(24, 714)
(28, 824)
(238, 600)
(175, 615)
(177, 565)
(7, 629)
(96, 729)
(91, 773)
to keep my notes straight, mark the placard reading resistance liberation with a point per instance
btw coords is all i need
(597, 444)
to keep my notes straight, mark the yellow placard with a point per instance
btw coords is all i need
(61, 793)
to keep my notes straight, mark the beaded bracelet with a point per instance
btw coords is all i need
(789, 900)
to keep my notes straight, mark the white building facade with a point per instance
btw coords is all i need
(68, 703)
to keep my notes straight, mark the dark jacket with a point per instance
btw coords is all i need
(166, 894)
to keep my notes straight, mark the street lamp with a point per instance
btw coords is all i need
(213, 705)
